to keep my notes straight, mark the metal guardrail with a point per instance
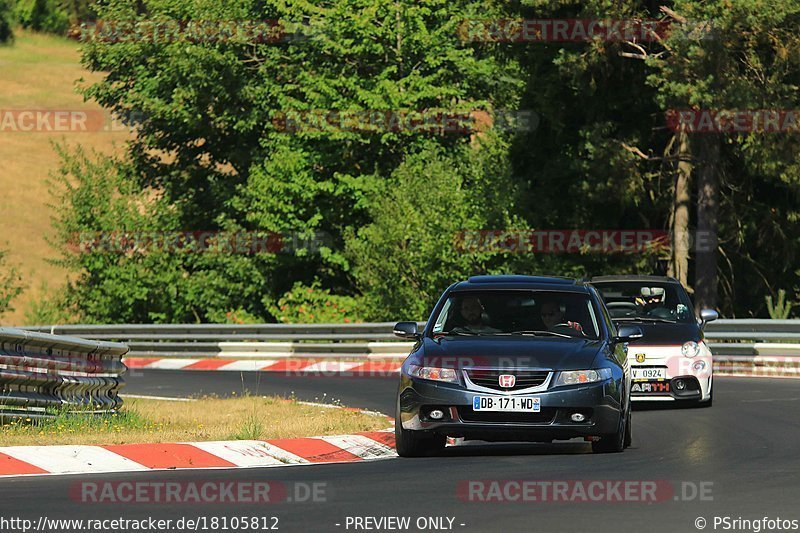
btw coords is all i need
(225, 340)
(725, 337)
(373, 331)
(41, 374)
(754, 337)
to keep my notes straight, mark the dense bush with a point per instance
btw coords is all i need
(6, 17)
(53, 16)
(10, 284)
(409, 253)
(311, 304)
(43, 15)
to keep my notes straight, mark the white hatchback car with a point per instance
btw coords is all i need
(671, 362)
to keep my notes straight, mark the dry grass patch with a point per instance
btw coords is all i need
(38, 72)
(206, 419)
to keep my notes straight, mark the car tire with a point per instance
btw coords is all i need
(710, 401)
(613, 442)
(707, 403)
(416, 443)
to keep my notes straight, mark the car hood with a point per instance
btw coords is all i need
(662, 334)
(509, 352)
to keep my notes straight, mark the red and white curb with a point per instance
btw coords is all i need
(738, 366)
(80, 459)
(757, 366)
(289, 367)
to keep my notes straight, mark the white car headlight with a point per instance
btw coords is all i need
(576, 377)
(433, 373)
(690, 349)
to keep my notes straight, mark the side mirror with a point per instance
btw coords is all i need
(707, 315)
(406, 330)
(628, 333)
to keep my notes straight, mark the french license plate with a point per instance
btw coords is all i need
(523, 404)
(649, 373)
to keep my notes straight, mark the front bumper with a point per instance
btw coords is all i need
(696, 383)
(599, 402)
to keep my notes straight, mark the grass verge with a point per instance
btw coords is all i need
(144, 420)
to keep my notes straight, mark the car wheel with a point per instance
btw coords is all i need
(613, 442)
(710, 401)
(416, 443)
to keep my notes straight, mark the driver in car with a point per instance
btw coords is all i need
(471, 311)
(652, 302)
(553, 316)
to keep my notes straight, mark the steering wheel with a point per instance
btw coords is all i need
(564, 328)
(661, 312)
(621, 309)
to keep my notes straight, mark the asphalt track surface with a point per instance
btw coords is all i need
(747, 446)
(364, 392)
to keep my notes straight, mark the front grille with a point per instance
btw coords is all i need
(525, 379)
(546, 416)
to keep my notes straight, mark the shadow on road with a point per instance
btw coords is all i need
(665, 406)
(475, 448)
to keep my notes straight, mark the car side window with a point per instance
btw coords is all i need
(438, 327)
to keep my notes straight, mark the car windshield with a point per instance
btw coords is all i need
(518, 312)
(646, 301)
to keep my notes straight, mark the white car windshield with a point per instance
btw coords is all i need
(646, 301)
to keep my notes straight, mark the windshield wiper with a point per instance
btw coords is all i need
(645, 319)
(536, 333)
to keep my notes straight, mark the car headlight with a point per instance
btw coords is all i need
(433, 373)
(576, 377)
(690, 349)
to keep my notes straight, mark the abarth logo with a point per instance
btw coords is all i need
(507, 380)
(640, 357)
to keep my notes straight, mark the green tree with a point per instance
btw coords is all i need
(747, 185)
(10, 284)
(53, 16)
(411, 251)
(595, 161)
(122, 241)
(213, 152)
(6, 16)
(211, 149)
(42, 15)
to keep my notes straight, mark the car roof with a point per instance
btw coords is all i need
(632, 277)
(500, 282)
